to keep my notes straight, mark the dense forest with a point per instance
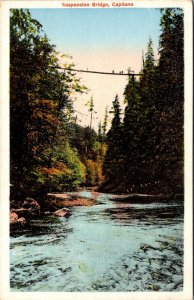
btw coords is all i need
(146, 149)
(141, 152)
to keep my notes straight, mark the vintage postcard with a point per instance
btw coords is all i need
(96, 149)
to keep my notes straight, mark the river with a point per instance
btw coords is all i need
(112, 246)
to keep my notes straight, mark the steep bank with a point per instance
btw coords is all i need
(156, 188)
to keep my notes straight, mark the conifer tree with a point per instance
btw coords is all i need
(131, 131)
(170, 105)
(91, 110)
(149, 56)
(111, 163)
(152, 130)
(105, 123)
(148, 92)
(99, 132)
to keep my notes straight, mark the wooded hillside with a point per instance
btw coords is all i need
(143, 152)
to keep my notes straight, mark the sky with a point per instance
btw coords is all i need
(101, 40)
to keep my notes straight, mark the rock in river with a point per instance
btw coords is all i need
(21, 221)
(29, 209)
(32, 204)
(14, 219)
(63, 212)
(26, 213)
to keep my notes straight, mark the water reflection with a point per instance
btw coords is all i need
(123, 213)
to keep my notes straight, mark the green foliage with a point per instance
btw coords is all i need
(170, 106)
(84, 139)
(99, 132)
(151, 148)
(50, 152)
(91, 152)
(64, 172)
(113, 141)
(105, 123)
(91, 110)
(149, 61)
(40, 112)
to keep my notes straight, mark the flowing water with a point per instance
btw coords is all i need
(111, 246)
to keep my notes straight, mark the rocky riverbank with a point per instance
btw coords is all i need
(59, 204)
(54, 204)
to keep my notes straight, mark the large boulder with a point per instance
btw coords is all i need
(31, 203)
(13, 217)
(30, 208)
(63, 212)
(21, 221)
(24, 212)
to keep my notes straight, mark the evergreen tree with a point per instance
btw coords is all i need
(91, 110)
(116, 121)
(105, 123)
(132, 132)
(99, 132)
(113, 141)
(152, 131)
(148, 92)
(170, 106)
(149, 57)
